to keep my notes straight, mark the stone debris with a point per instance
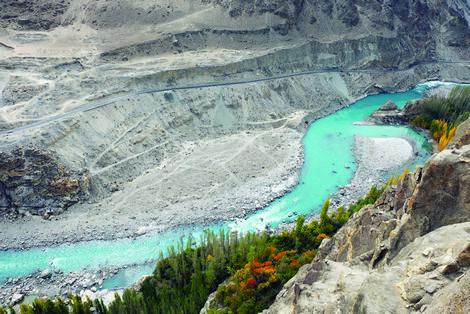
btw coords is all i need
(53, 283)
(16, 298)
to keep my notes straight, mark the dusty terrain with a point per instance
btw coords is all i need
(159, 113)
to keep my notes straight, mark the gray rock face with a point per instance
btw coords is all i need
(31, 180)
(32, 14)
(408, 252)
(388, 114)
(412, 283)
(350, 13)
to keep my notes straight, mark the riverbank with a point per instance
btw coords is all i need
(227, 194)
(377, 159)
(54, 283)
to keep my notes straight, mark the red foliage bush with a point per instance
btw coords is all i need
(251, 283)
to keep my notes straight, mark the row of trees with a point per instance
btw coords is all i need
(254, 287)
(258, 264)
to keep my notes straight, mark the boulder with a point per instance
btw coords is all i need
(16, 298)
(141, 231)
(45, 274)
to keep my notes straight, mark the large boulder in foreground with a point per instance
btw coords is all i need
(409, 252)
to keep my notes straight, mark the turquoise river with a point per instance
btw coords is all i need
(328, 163)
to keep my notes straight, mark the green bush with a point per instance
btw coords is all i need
(370, 198)
(454, 108)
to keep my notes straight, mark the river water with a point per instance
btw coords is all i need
(329, 163)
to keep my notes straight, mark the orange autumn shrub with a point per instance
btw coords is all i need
(294, 264)
(445, 139)
(279, 256)
(441, 133)
(255, 264)
(322, 236)
(268, 270)
(257, 268)
(438, 128)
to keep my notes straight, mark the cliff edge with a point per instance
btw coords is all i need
(409, 252)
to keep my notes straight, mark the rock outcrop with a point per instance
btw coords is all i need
(409, 252)
(33, 182)
(389, 106)
(32, 14)
(388, 113)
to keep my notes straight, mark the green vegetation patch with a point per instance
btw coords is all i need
(453, 108)
(441, 115)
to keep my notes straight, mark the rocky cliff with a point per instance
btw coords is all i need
(409, 252)
(32, 182)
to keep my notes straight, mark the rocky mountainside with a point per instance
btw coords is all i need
(32, 182)
(145, 97)
(409, 252)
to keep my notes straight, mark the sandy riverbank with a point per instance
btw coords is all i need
(377, 159)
